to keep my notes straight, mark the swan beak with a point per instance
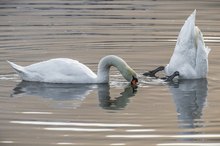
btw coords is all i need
(134, 81)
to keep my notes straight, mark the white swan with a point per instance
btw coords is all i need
(190, 56)
(64, 70)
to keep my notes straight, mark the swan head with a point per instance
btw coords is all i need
(127, 72)
(130, 75)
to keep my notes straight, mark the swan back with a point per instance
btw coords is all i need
(59, 70)
(190, 56)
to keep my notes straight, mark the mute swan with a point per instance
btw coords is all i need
(190, 56)
(64, 70)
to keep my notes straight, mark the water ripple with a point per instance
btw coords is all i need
(74, 124)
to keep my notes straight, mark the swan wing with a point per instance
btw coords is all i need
(60, 70)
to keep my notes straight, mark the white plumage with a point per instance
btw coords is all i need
(190, 56)
(64, 70)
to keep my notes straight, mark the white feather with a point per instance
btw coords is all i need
(64, 70)
(190, 56)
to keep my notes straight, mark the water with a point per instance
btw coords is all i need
(141, 32)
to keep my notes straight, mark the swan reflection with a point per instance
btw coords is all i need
(189, 97)
(55, 91)
(76, 93)
(115, 103)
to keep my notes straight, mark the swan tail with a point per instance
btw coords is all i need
(19, 69)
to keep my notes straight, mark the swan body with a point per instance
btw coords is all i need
(64, 70)
(190, 56)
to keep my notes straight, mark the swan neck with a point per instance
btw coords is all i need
(104, 67)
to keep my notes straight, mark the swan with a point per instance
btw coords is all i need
(65, 70)
(190, 56)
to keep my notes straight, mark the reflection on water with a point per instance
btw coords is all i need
(107, 102)
(189, 97)
(75, 93)
(54, 91)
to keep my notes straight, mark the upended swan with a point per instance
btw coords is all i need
(64, 70)
(190, 56)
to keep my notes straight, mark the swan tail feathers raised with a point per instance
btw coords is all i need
(19, 69)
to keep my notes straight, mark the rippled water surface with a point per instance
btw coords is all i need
(144, 34)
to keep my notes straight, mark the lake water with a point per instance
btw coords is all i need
(143, 33)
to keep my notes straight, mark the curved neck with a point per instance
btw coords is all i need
(104, 67)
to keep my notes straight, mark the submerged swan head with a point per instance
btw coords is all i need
(111, 60)
(190, 56)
